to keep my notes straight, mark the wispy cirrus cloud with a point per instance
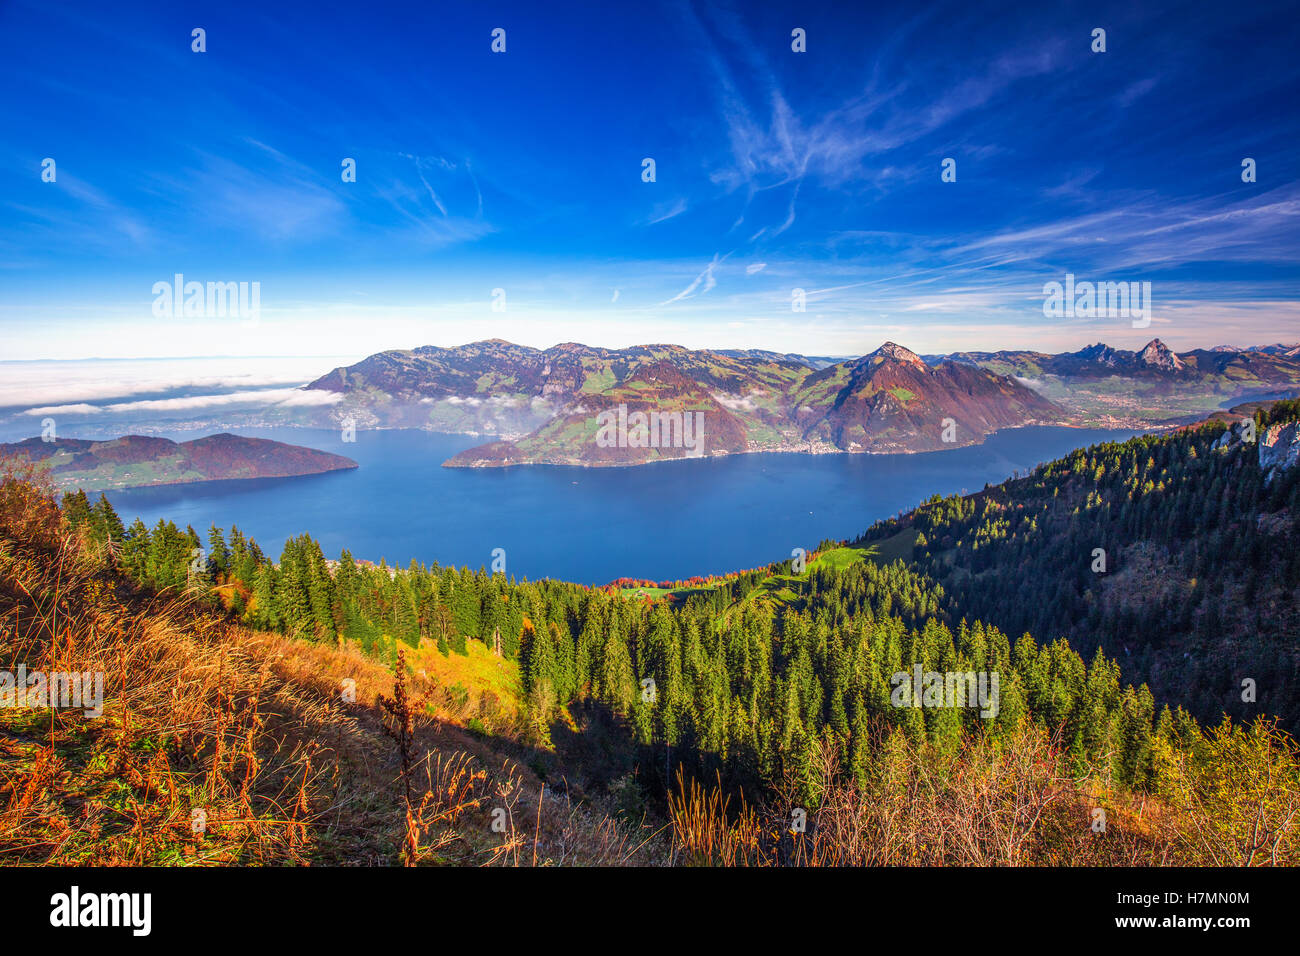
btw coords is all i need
(665, 211)
(706, 281)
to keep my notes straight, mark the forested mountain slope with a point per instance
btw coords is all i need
(1174, 554)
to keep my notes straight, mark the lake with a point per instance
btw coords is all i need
(591, 525)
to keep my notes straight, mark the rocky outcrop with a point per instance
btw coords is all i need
(1279, 449)
(1233, 435)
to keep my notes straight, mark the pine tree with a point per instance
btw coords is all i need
(218, 553)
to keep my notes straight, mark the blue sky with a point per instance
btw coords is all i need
(522, 170)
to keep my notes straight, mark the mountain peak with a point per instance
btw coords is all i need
(892, 350)
(1099, 349)
(1101, 353)
(1158, 355)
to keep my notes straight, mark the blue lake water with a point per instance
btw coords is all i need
(662, 521)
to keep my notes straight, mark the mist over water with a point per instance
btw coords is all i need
(590, 525)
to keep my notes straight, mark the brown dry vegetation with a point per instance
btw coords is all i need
(1011, 804)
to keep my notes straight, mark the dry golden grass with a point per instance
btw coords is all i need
(1009, 803)
(195, 718)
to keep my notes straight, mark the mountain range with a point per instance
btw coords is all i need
(1272, 363)
(548, 406)
(1153, 386)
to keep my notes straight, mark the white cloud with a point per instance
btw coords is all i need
(735, 402)
(65, 383)
(64, 410)
(299, 397)
(293, 397)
